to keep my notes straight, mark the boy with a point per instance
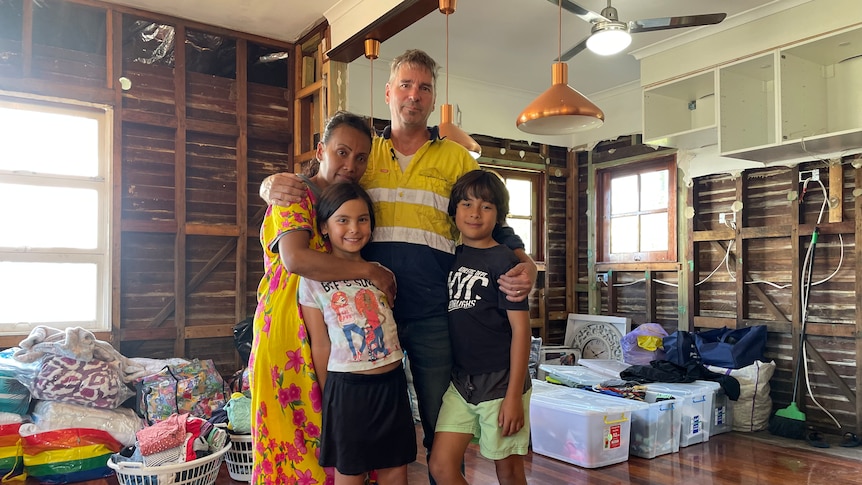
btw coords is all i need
(489, 393)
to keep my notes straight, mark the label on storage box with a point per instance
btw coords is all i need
(612, 437)
(719, 416)
(695, 425)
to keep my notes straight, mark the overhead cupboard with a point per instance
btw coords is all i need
(799, 101)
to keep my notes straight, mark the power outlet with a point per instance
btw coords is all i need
(804, 175)
(724, 217)
(602, 278)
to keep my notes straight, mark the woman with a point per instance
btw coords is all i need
(286, 399)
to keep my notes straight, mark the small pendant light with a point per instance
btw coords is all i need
(372, 51)
(447, 128)
(560, 110)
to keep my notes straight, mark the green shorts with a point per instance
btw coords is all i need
(480, 420)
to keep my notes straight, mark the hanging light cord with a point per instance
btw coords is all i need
(447, 58)
(560, 32)
(371, 94)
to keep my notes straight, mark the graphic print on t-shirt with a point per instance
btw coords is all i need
(463, 292)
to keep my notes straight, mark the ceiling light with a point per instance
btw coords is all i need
(609, 38)
(372, 51)
(446, 128)
(560, 110)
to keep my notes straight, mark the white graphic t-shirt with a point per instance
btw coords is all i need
(359, 322)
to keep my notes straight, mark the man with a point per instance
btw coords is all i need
(410, 176)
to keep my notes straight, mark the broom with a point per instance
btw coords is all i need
(789, 422)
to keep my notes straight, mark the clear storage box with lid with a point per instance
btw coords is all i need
(574, 375)
(581, 427)
(695, 409)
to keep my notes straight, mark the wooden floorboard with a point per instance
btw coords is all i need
(726, 459)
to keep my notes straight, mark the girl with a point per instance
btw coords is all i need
(367, 421)
(285, 393)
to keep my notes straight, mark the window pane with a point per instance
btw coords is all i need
(654, 232)
(40, 142)
(520, 197)
(523, 228)
(624, 192)
(624, 234)
(654, 190)
(47, 292)
(52, 217)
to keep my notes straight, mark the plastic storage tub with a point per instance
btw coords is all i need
(695, 409)
(574, 375)
(655, 430)
(721, 419)
(581, 427)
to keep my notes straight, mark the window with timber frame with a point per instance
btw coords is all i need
(55, 206)
(636, 205)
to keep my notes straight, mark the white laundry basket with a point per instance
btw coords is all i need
(239, 458)
(202, 471)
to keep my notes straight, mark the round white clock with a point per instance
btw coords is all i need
(597, 340)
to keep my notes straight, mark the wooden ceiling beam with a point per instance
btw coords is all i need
(389, 24)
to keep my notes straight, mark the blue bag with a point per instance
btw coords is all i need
(731, 348)
(680, 348)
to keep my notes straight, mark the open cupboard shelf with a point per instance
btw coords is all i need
(800, 102)
(681, 114)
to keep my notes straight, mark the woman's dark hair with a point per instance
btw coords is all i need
(337, 194)
(481, 184)
(340, 118)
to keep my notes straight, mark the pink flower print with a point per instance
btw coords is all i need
(267, 321)
(284, 398)
(276, 278)
(299, 417)
(316, 398)
(299, 439)
(268, 210)
(330, 477)
(274, 374)
(262, 413)
(279, 457)
(293, 453)
(305, 478)
(294, 392)
(301, 333)
(294, 359)
(313, 430)
(267, 468)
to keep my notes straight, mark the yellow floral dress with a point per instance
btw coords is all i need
(286, 398)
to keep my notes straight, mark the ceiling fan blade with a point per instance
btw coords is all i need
(665, 23)
(581, 12)
(574, 50)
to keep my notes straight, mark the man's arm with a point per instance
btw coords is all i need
(282, 189)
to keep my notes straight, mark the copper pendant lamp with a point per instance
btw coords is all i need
(560, 110)
(447, 128)
(372, 51)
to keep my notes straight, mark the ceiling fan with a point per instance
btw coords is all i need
(609, 35)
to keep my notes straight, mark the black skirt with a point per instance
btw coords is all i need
(367, 422)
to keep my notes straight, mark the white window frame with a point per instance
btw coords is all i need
(101, 183)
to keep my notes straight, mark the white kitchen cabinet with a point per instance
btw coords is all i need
(802, 101)
(681, 113)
